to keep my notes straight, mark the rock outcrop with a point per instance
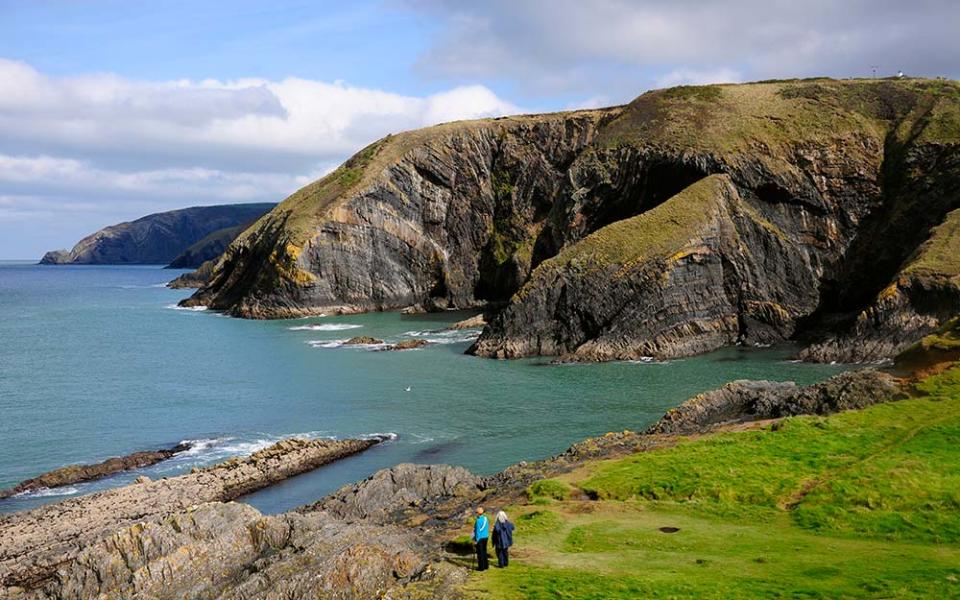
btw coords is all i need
(79, 473)
(39, 547)
(692, 218)
(741, 401)
(160, 238)
(209, 248)
(194, 279)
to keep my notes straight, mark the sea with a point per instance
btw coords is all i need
(98, 361)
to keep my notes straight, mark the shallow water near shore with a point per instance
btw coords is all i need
(97, 362)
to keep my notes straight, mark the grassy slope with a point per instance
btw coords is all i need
(861, 504)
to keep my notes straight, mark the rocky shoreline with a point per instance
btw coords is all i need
(382, 537)
(48, 550)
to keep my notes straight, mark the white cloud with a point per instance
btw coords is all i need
(247, 121)
(618, 47)
(132, 147)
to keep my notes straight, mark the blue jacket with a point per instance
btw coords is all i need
(502, 534)
(481, 528)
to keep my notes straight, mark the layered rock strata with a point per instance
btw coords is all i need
(692, 218)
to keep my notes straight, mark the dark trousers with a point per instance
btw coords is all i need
(482, 563)
(503, 556)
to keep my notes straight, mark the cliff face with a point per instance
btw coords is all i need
(162, 237)
(443, 217)
(689, 219)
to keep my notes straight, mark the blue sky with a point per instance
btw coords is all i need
(110, 110)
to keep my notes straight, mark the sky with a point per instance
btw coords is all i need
(114, 109)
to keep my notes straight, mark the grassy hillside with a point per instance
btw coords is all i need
(863, 504)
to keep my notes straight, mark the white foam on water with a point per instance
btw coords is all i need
(452, 336)
(330, 344)
(387, 437)
(189, 308)
(420, 439)
(208, 451)
(325, 327)
(49, 492)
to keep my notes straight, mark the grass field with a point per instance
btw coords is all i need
(864, 504)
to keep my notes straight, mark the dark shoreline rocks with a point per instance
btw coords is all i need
(362, 340)
(408, 345)
(80, 473)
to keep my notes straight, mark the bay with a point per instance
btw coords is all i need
(97, 361)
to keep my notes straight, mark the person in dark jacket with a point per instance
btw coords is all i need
(481, 533)
(502, 539)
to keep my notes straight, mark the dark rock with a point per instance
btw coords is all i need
(362, 339)
(194, 279)
(752, 400)
(402, 487)
(79, 473)
(408, 345)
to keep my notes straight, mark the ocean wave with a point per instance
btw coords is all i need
(209, 451)
(389, 436)
(329, 344)
(189, 308)
(49, 492)
(325, 327)
(453, 336)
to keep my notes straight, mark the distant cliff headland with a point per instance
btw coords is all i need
(184, 238)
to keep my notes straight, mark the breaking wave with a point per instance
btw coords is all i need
(189, 308)
(325, 327)
(69, 490)
(453, 336)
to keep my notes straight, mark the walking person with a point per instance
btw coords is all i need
(481, 533)
(502, 539)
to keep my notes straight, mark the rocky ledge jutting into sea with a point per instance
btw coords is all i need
(384, 537)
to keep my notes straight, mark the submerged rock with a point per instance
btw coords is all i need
(408, 345)
(362, 340)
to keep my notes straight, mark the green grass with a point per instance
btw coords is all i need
(780, 114)
(548, 488)
(660, 231)
(863, 504)
(940, 254)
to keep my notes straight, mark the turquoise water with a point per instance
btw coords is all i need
(95, 362)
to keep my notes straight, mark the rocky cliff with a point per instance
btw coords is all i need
(188, 236)
(692, 218)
